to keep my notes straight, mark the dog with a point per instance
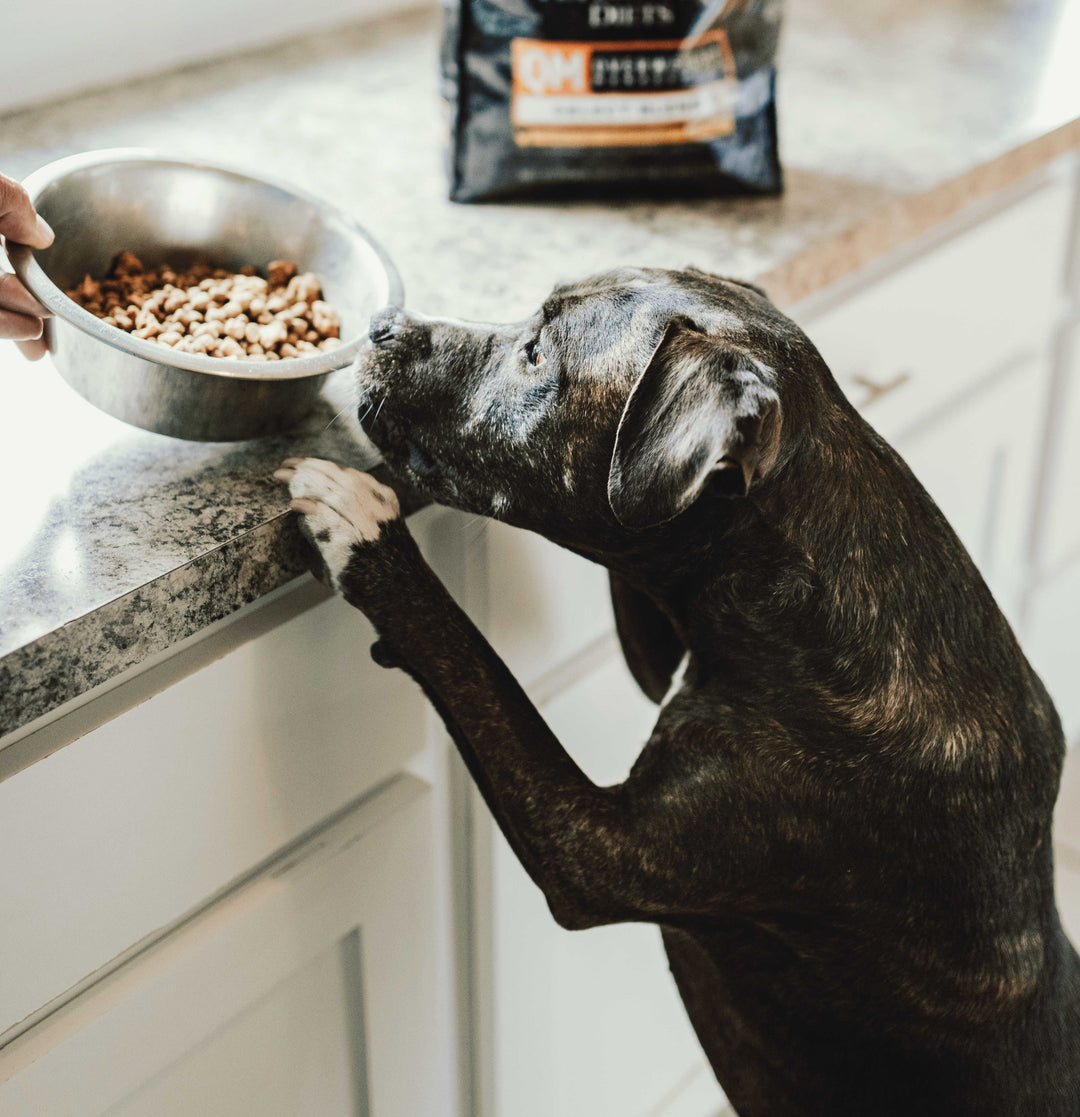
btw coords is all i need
(841, 822)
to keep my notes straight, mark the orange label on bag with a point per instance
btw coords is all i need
(550, 69)
(572, 94)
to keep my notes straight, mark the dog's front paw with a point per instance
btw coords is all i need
(342, 509)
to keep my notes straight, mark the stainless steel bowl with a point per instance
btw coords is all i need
(161, 208)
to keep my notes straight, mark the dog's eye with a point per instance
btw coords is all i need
(534, 354)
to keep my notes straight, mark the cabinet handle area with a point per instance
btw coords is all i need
(873, 390)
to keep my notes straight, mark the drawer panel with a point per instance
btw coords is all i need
(907, 343)
(125, 829)
(314, 988)
(545, 603)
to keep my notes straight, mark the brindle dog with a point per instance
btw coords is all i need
(841, 822)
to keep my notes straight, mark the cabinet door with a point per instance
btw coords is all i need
(146, 816)
(979, 461)
(311, 988)
(544, 602)
(587, 1023)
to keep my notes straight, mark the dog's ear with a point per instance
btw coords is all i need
(699, 408)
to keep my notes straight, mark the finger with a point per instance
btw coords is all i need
(18, 220)
(303, 506)
(291, 463)
(14, 296)
(284, 474)
(33, 350)
(19, 327)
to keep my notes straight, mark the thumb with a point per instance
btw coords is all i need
(18, 220)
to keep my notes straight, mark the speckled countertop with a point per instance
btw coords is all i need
(894, 115)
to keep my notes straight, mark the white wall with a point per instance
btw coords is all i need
(52, 48)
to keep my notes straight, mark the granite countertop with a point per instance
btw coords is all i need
(894, 115)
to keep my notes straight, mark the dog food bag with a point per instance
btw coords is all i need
(621, 96)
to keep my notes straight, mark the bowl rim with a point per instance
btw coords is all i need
(38, 283)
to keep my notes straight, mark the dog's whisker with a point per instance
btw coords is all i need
(336, 417)
(473, 529)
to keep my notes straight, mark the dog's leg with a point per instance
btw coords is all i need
(650, 645)
(580, 843)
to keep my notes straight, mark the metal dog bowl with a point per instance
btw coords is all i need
(174, 210)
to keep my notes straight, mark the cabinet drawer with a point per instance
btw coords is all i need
(545, 603)
(908, 343)
(315, 987)
(140, 820)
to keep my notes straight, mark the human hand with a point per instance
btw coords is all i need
(21, 315)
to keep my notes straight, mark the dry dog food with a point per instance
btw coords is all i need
(614, 96)
(209, 310)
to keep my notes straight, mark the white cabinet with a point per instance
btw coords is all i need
(923, 336)
(545, 604)
(310, 988)
(231, 897)
(140, 820)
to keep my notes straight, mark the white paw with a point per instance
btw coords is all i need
(342, 507)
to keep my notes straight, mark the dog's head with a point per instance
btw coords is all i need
(626, 399)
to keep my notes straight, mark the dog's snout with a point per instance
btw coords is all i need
(385, 324)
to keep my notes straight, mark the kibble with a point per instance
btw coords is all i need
(210, 310)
